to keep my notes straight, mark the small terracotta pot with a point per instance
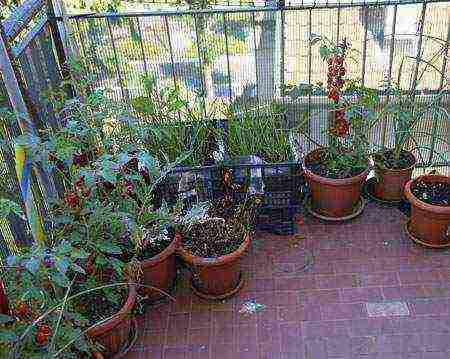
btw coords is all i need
(216, 277)
(330, 197)
(391, 183)
(4, 306)
(160, 271)
(429, 223)
(115, 333)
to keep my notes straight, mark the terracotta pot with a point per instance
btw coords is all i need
(4, 306)
(114, 334)
(429, 223)
(332, 197)
(216, 277)
(391, 183)
(160, 271)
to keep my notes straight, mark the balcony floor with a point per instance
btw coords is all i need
(321, 311)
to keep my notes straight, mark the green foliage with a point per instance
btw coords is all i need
(259, 131)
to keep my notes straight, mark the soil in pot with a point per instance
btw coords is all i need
(335, 193)
(158, 265)
(392, 174)
(114, 334)
(429, 196)
(213, 251)
(434, 193)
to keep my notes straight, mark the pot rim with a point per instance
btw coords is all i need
(409, 168)
(212, 262)
(335, 181)
(422, 205)
(160, 257)
(115, 320)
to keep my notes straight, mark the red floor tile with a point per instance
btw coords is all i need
(316, 311)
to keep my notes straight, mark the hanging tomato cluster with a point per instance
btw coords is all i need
(335, 83)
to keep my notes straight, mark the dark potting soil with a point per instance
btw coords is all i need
(435, 193)
(321, 169)
(98, 307)
(387, 159)
(212, 238)
(155, 247)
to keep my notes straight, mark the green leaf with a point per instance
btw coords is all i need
(5, 319)
(324, 52)
(32, 265)
(60, 280)
(8, 336)
(8, 207)
(11, 260)
(62, 265)
(315, 39)
(79, 253)
(109, 247)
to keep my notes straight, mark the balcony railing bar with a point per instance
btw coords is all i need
(255, 55)
(309, 56)
(244, 9)
(141, 44)
(116, 60)
(338, 24)
(169, 40)
(200, 58)
(419, 45)
(364, 53)
(225, 25)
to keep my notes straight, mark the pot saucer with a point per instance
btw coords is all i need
(358, 210)
(226, 295)
(419, 241)
(368, 191)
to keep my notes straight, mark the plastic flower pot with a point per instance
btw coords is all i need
(114, 334)
(216, 278)
(160, 272)
(429, 224)
(390, 184)
(333, 198)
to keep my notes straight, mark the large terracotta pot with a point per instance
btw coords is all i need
(429, 223)
(160, 271)
(330, 197)
(391, 183)
(114, 334)
(215, 278)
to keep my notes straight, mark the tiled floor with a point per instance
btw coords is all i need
(316, 288)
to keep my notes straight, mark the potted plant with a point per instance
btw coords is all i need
(394, 165)
(336, 172)
(213, 245)
(429, 224)
(148, 236)
(38, 322)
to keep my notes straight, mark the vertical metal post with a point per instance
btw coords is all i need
(256, 55)
(309, 58)
(116, 59)
(200, 59)
(419, 47)
(283, 24)
(364, 54)
(391, 60)
(83, 49)
(58, 35)
(444, 61)
(338, 23)
(142, 46)
(225, 29)
(392, 45)
(169, 40)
